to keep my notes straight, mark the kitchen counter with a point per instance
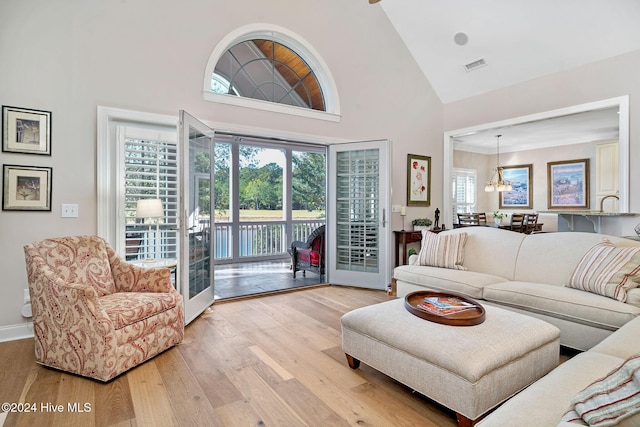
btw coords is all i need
(593, 216)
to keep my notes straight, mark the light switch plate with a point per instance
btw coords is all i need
(69, 211)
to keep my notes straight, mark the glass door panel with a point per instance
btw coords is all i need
(196, 201)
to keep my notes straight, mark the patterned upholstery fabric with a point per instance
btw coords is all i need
(94, 314)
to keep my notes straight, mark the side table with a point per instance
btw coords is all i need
(402, 239)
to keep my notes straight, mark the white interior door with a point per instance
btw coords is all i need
(358, 226)
(196, 215)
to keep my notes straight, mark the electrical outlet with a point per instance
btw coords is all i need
(69, 211)
(27, 297)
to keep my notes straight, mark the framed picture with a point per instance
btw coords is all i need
(26, 131)
(522, 184)
(418, 180)
(26, 188)
(568, 184)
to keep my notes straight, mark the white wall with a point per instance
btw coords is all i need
(70, 57)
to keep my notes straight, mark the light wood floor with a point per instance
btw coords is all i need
(269, 361)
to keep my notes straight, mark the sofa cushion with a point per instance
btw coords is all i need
(610, 399)
(490, 250)
(309, 256)
(562, 302)
(551, 257)
(445, 250)
(607, 270)
(468, 283)
(623, 343)
(126, 308)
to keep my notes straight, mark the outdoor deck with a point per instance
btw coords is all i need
(252, 278)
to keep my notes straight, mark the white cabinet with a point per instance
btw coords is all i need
(607, 175)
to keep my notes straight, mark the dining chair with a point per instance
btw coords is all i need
(530, 223)
(517, 222)
(468, 219)
(482, 217)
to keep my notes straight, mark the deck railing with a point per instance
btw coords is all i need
(260, 238)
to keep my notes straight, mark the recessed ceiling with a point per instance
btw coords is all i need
(589, 126)
(518, 40)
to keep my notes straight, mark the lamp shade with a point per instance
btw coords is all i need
(149, 208)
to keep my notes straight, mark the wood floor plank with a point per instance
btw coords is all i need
(188, 400)
(273, 410)
(115, 405)
(150, 397)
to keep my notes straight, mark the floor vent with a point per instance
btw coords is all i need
(474, 65)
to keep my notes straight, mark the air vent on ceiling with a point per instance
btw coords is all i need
(474, 65)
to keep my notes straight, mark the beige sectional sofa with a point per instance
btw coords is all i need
(528, 274)
(545, 401)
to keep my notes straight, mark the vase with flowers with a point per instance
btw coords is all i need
(497, 217)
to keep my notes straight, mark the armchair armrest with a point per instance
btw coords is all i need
(66, 306)
(300, 245)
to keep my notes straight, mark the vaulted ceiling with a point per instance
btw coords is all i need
(506, 42)
(518, 40)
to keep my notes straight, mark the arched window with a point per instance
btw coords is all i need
(220, 84)
(267, 66)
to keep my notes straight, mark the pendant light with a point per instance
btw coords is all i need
(497, 181)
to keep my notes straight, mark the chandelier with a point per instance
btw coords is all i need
(497, 181)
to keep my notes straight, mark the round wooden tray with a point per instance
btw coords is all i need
(464, 318)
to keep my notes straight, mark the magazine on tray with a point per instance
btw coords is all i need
(445, 305)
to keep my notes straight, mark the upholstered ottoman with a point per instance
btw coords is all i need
(469, 369)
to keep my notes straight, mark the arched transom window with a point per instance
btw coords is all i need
(270, 66)
(270, 71)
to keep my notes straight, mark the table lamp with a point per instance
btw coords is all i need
(150, 209)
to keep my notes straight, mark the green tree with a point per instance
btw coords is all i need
(309, 181)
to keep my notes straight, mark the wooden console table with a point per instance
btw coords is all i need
(402, 239)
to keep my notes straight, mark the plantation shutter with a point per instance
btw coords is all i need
(150, 162)
(463, 192)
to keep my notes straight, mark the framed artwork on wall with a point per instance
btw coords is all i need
(26, 131)
(568, 184)
(26, 188)
(418, 180)
(521, 196)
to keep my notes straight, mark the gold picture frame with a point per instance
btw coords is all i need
(26, 188)
(568, 184)
(418, 180)
(26, 131)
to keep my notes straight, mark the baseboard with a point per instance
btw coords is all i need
(16, 332)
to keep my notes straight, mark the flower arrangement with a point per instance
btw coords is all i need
(422, 222)
(498, 215)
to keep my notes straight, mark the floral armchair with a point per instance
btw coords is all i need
(309, 255)
(94, 314)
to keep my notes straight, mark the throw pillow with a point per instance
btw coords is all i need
(609, 400)
(607, 269)
(442, 250)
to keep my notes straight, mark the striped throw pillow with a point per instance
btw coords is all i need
(610, 400)
(607, 269)
(442, 250)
